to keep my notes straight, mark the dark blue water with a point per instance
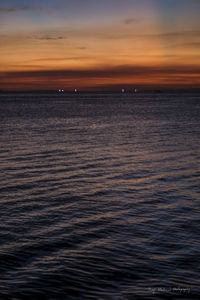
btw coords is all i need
(100, 196)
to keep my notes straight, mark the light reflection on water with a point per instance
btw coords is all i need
(99, 196)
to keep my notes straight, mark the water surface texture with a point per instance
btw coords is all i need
(100, 196)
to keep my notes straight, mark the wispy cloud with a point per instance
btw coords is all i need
(113, 34)
(99, 34)
(175, 34)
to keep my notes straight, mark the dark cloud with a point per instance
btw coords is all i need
(16, 9)
(190, 44)
(106, 78)
(62, 58)
(108, 72)
(45, 37)
(195, 2)
(20, 8)
(129, 21)
(81, 48)
(51, 38)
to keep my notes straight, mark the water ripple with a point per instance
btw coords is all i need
(99, 196)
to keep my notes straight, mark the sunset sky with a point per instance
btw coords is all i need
(99, 45)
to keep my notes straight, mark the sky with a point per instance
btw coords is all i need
(99, 45)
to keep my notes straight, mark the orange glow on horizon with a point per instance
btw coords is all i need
(90, 55)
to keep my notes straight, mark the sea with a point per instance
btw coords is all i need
(100, 196)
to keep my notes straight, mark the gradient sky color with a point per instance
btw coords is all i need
(99, 45)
